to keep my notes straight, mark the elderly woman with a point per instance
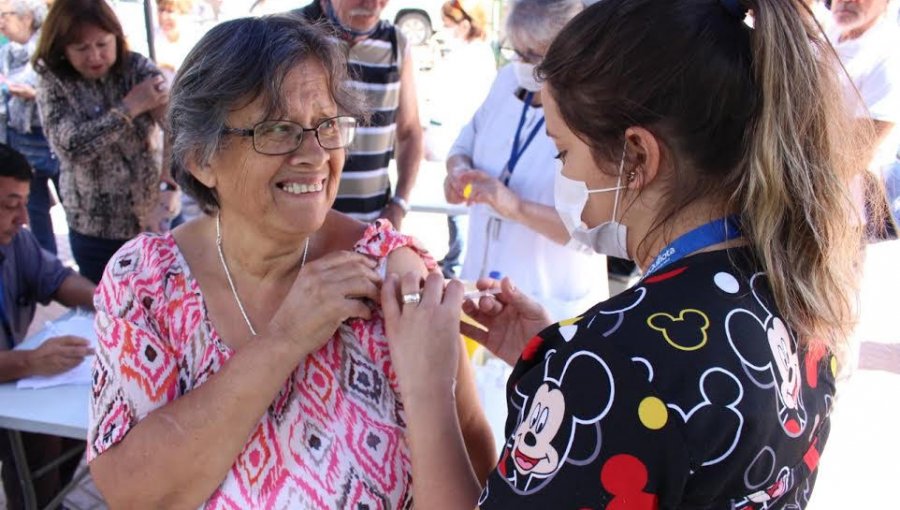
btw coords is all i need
(100, 105)
(242, 359)
(20, 22)
(502, 164)
(709, 384)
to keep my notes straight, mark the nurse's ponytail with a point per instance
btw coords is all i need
(793, 195)
(751, 113)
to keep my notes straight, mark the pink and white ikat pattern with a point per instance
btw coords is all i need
(332, 437)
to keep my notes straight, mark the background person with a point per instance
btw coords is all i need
(100, 105)
(255, 328)
(864, 33)
(381, 67)
(710, 383)
(514, 230)
(30, 275)
(467, 70)
(20, 21)
(174, 38)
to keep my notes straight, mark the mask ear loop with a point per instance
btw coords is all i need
(619, 182)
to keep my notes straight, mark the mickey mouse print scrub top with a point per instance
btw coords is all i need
(687, 391)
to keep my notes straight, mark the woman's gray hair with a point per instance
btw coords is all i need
(535, 23)
(234, 64)
(36, 8)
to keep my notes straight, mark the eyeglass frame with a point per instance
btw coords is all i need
(251, 132)
(529, 58)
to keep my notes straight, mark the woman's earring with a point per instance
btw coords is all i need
(631, 175)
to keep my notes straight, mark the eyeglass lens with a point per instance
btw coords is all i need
(281, 137)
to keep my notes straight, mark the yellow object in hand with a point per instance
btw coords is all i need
(467, 191)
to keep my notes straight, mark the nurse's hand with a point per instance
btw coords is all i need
(511, 319)
(454, 189)
(424, 335)
(489, 190)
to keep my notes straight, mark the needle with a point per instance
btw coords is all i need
(476, 294)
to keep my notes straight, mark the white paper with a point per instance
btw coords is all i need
(77, 324)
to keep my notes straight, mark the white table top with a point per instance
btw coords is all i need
(60, 410)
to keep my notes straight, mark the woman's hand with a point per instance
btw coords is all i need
(146, 95)
(327, 292)
(511, 317)
(489, 190)
(22, 90)
(424, 337)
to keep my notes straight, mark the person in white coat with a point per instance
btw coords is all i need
(503, 165)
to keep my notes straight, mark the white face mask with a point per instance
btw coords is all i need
(570, 198)
(525, 76)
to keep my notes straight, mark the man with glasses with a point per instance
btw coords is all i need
(29, 275)
(381, 67)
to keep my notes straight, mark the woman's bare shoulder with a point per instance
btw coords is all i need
(341, 232)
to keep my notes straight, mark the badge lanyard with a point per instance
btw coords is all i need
(704, 236)
(519, 147)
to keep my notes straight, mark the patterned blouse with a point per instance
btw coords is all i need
(687, 391)
(110, 167)
(332, 438)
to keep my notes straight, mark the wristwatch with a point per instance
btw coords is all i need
(401, 203)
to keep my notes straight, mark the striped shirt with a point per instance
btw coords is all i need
(374, 68)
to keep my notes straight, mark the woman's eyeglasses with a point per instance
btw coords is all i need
(278, 137)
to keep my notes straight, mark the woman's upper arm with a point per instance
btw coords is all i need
(405, 260)
(135, 370)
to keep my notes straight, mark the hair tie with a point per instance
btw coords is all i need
(735, 7)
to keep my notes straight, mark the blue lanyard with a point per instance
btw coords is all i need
(517, 149)
(704, 236)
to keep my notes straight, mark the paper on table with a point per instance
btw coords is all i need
(79, 324)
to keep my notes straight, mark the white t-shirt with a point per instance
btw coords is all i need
(565, 281)
(873, 63)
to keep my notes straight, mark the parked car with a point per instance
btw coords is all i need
(417, 19)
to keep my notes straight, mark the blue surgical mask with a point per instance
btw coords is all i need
(570, 198)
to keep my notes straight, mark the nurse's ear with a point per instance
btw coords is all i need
(643, 157)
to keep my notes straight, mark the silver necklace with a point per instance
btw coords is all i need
(231, 281)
